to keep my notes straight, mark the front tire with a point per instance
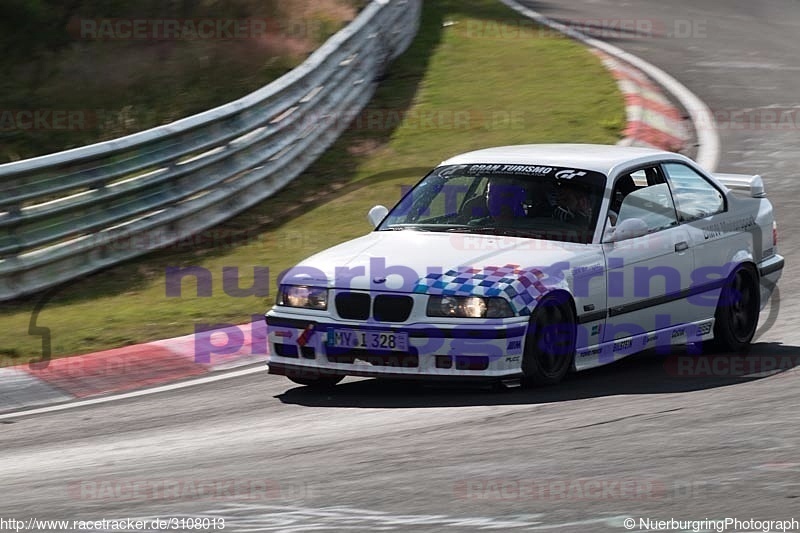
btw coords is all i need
(736, 317)
(550, 342)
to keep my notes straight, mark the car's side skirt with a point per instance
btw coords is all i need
(608, 352)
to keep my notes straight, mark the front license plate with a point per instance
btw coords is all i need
(368, 340)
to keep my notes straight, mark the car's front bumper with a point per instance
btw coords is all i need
(299, 347)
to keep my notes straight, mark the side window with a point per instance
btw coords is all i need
(625, 185)
(628, 183)
(694, 196)
(639, 178)
(652, 204)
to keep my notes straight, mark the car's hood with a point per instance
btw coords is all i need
(446, 263)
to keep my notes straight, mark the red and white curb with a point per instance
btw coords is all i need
(652, 120)
(132, 367)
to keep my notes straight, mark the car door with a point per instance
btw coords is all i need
(702, 210)
(648, 270)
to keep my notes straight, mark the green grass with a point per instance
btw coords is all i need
(551, 89)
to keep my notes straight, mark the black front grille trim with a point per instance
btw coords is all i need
(353, 305)
(392, 308)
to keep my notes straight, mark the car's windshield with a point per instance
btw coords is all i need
(543, 202)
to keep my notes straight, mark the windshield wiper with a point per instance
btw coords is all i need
(401, 227)
(426, 227)
(500, 230)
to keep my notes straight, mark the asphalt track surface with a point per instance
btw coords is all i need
(399, 457)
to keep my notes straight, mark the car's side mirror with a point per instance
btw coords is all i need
(377, 214)
(627, 229)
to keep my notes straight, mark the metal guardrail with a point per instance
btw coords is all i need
(70, 213)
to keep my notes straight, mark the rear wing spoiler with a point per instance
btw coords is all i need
(752, 185)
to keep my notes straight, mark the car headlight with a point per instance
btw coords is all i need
(303, 296)
(469, 307)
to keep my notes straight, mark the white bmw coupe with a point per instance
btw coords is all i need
(522, 263)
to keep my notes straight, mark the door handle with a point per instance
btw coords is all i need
(681, 246)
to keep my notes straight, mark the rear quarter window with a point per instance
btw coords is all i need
(695, 197)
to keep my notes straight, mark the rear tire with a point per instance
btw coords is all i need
(550, 342)
(736, 317)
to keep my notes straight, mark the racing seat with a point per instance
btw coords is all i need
(624, 186)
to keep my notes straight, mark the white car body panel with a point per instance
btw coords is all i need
(615, 317)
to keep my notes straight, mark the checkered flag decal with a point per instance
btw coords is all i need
(523, 287)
